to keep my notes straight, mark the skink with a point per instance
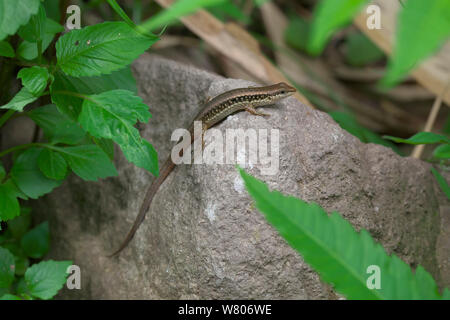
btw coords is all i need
(214, 111)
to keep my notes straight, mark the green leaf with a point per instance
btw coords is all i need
(9, 297)
(177, 10)
(34, 30)
(442, 152)
(421, 138)
(52, 164)
(65, 90)
(228, 9)
(7, 268)
(34, 79)
(28, 50)
(36, 242)
(112, 115)
(28, 177)
(423, 26)
(6, 50)
(13, 14)
(57, 127)
(442, 183)
(2, 172)
(348, 122)
(100, 49)
(20, 100)
(336, 251)
(20, 225)
(361, 51)
(107, 146)
(46, 278)
(297, 32)
(9, 205)
(22, 264)
(330, 15)
(89, 162)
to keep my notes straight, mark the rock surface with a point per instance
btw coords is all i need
(202, 238)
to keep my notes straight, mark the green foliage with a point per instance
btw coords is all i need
(46, 278)
(6, 268)
(112, 115)
(28, 177)
(100, 49)
(336, 251)
(422, 28)
(9, 205)
(57, 127)
(442, 151)
(13, 14)
(36, 242)
(348, 122)
(52, 164)
(361, 51)
(6, 50)
(229, 9)
(442, 183)
(329, 15)
(34, 79)
(20, 100)
(29, 50)
(421, 138)
(89, 162)
(297, 33)
(175, 11)
(34, 30)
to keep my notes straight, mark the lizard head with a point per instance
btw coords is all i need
(281, 90)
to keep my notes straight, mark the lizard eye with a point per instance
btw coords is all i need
(283, 92)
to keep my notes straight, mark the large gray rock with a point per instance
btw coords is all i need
(202, 237)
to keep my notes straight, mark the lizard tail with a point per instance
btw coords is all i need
(166, 169)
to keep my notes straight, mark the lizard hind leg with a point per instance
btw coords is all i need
(253, 111)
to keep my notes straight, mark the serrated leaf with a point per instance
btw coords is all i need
(89, 162)
(34, 79)
(65, 90)
(46, 278)
(442, 182)
(36, 242)
(57, 127)
(28, 177)
(442, 152)
(361, 51)
(330, 15)
(34, 30)
(100, 49)
(20, 100)
(423, 26)
(6, 50)
(52, 164)
(421, 138)
(112, 115)
(9, 296)
(336, 251)
(13, 14)
(7, 268)
(9, 205)
(28, 50)
(20, 225)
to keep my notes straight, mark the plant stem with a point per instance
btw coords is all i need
(39, 49)
(20, 147)
(6, 116)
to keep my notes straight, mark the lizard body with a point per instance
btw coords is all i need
(215, 110)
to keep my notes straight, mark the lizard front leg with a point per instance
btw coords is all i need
(253, 111)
